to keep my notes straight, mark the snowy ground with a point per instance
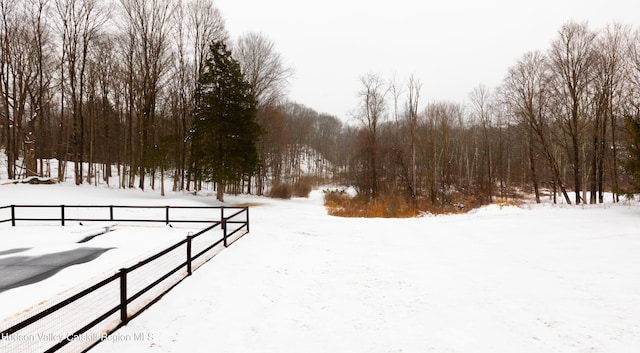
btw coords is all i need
(122, 247)
(531, 279)
(125, 244)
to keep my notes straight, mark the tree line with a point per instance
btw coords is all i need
(563, 122)
(122, 88)
(102, 84)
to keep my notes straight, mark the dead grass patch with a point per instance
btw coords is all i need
(342, 205)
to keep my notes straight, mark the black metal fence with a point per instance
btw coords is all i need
(111, 213)
(82, 320)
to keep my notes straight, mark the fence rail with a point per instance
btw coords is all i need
(82, 320)
(63, 214)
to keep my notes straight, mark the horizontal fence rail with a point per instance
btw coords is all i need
(93, 213)
(82, 320)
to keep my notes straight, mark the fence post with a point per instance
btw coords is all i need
(62, 214)
(224, 225)
(224, 231)
(189, 238)
(247, 210)
(124, 318)
(13, 215)
(111, 213)
(166, 218)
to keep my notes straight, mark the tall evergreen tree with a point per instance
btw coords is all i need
(225, 131)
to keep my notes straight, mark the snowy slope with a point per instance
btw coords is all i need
(532, 279)
(545, 279)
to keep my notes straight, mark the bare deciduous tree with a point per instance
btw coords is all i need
(608, 91)
(527, 92)
(148, 27)
(80, 23)
(480, 101)
(267, 74)
(206, 25)
(571, 58)
(373, 106)
(24, 58)
(263, 68)
(414, 88)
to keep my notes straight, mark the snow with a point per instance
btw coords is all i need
(126, 243)
(537, 278)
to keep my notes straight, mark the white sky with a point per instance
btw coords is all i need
(450, 46)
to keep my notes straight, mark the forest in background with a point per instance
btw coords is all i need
(111, 86)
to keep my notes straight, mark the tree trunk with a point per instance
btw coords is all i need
(534, 174)
(220, 191)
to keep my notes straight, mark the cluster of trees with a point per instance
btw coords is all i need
(564, 119)
(156, 88)
(104, 84)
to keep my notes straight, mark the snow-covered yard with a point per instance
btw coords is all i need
(539, 278)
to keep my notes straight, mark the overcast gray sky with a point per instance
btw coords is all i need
(450, 46)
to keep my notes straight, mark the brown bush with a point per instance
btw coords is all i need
(342, 205)
(280, 191)
(334, 201)
(393, 206)
(302, 189)
(286, 191)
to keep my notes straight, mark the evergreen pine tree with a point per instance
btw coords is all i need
(225, 131)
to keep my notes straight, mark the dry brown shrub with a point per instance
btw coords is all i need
(302, 189)
(280, 191)
(342, 205)
(337, 203)
(401, 207)
(397, 206)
